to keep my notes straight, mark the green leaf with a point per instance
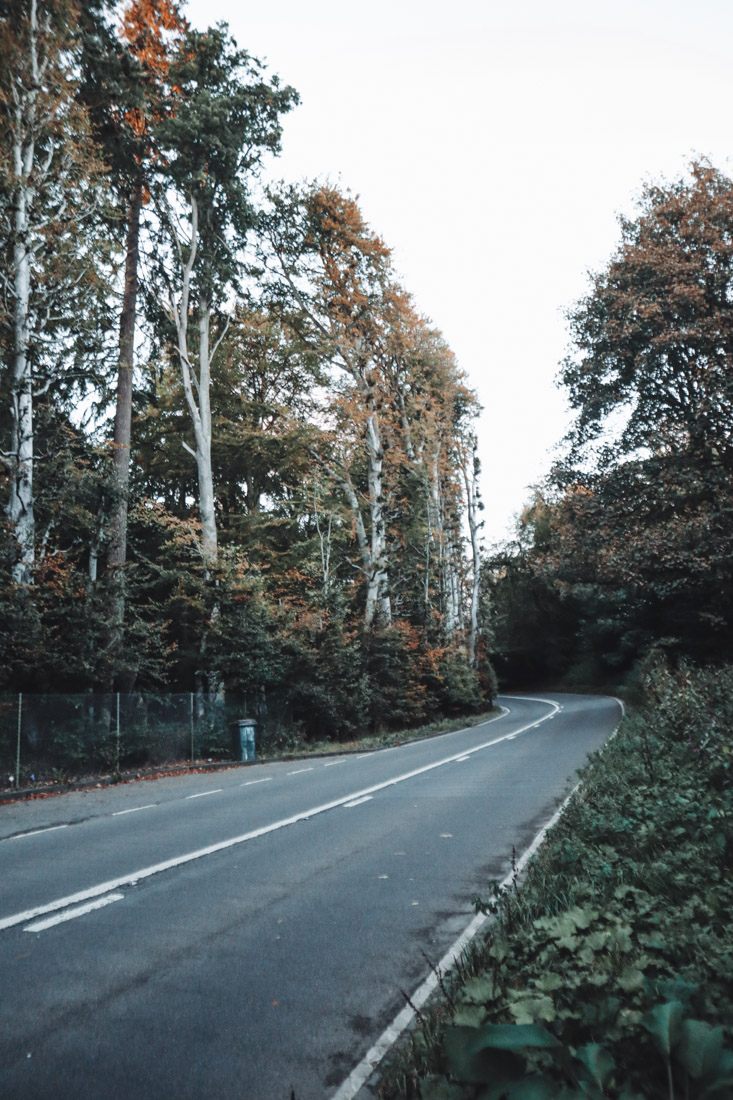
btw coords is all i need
(479, 990)
(721, 1087)
(498, 950)
(479, 1066)
(597, 941)
(549, 982)
(528, 1010)
(664, 1024)
(630, 979)
(700, 1047)
(469, 1015)
(597, 1062)
(511, 1037)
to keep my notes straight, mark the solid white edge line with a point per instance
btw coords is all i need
(361, 1073)
(222, 845)
(35, 832)
(71, 914)
(134, 810)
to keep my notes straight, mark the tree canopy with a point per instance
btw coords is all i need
(629, 546)
(237, 457)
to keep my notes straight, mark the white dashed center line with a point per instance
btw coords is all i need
(358, 801)
(251, 782)
(202, 794)
(103, 889)
(134, 810)
(299, 771)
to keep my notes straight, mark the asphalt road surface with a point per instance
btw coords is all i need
(249, 933)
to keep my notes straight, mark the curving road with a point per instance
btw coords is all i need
(250, 933)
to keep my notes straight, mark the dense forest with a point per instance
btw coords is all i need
(235, 456)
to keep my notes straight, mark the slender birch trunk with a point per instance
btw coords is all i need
(117, 546)
(471, 470)
(197, 386)
(372, 546)
(24, 130)
(20, 504)
(325, 544)
(378, 603)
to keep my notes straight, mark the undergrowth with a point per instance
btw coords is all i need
(608, 972)
(388, 739)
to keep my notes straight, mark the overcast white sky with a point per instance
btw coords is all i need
(492, 145)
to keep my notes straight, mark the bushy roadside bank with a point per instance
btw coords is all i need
(608, 972)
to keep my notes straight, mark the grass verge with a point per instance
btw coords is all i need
(382, 740)
(608, 971)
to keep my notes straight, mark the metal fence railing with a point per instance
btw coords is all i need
(57, 737)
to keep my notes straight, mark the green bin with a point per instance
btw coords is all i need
(243, 737)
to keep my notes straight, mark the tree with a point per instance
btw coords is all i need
(653, 341)
(645, 505)
(50, 186)
(126, 91)
(227, 119)
(331, 278)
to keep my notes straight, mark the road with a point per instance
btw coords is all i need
(249, 933)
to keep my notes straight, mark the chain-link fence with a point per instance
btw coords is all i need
(57, 737)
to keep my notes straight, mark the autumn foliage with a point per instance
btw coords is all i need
(629, 546)
(280, 507)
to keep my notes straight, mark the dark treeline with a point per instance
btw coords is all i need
(235, 457)
(627, 548)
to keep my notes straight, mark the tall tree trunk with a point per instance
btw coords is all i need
(203, 440)
(24, 127)
(117, 548)
(471, 470)
(20, 504)
(198, 387)
(378, 603)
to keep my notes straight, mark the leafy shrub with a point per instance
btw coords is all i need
(609, 972)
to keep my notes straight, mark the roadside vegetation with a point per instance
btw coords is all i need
(608, 971)
(286, 747)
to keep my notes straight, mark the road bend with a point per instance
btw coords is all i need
(249, 933)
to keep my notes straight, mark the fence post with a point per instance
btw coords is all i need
(191, 698)
(117, 766)
(17, 753)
